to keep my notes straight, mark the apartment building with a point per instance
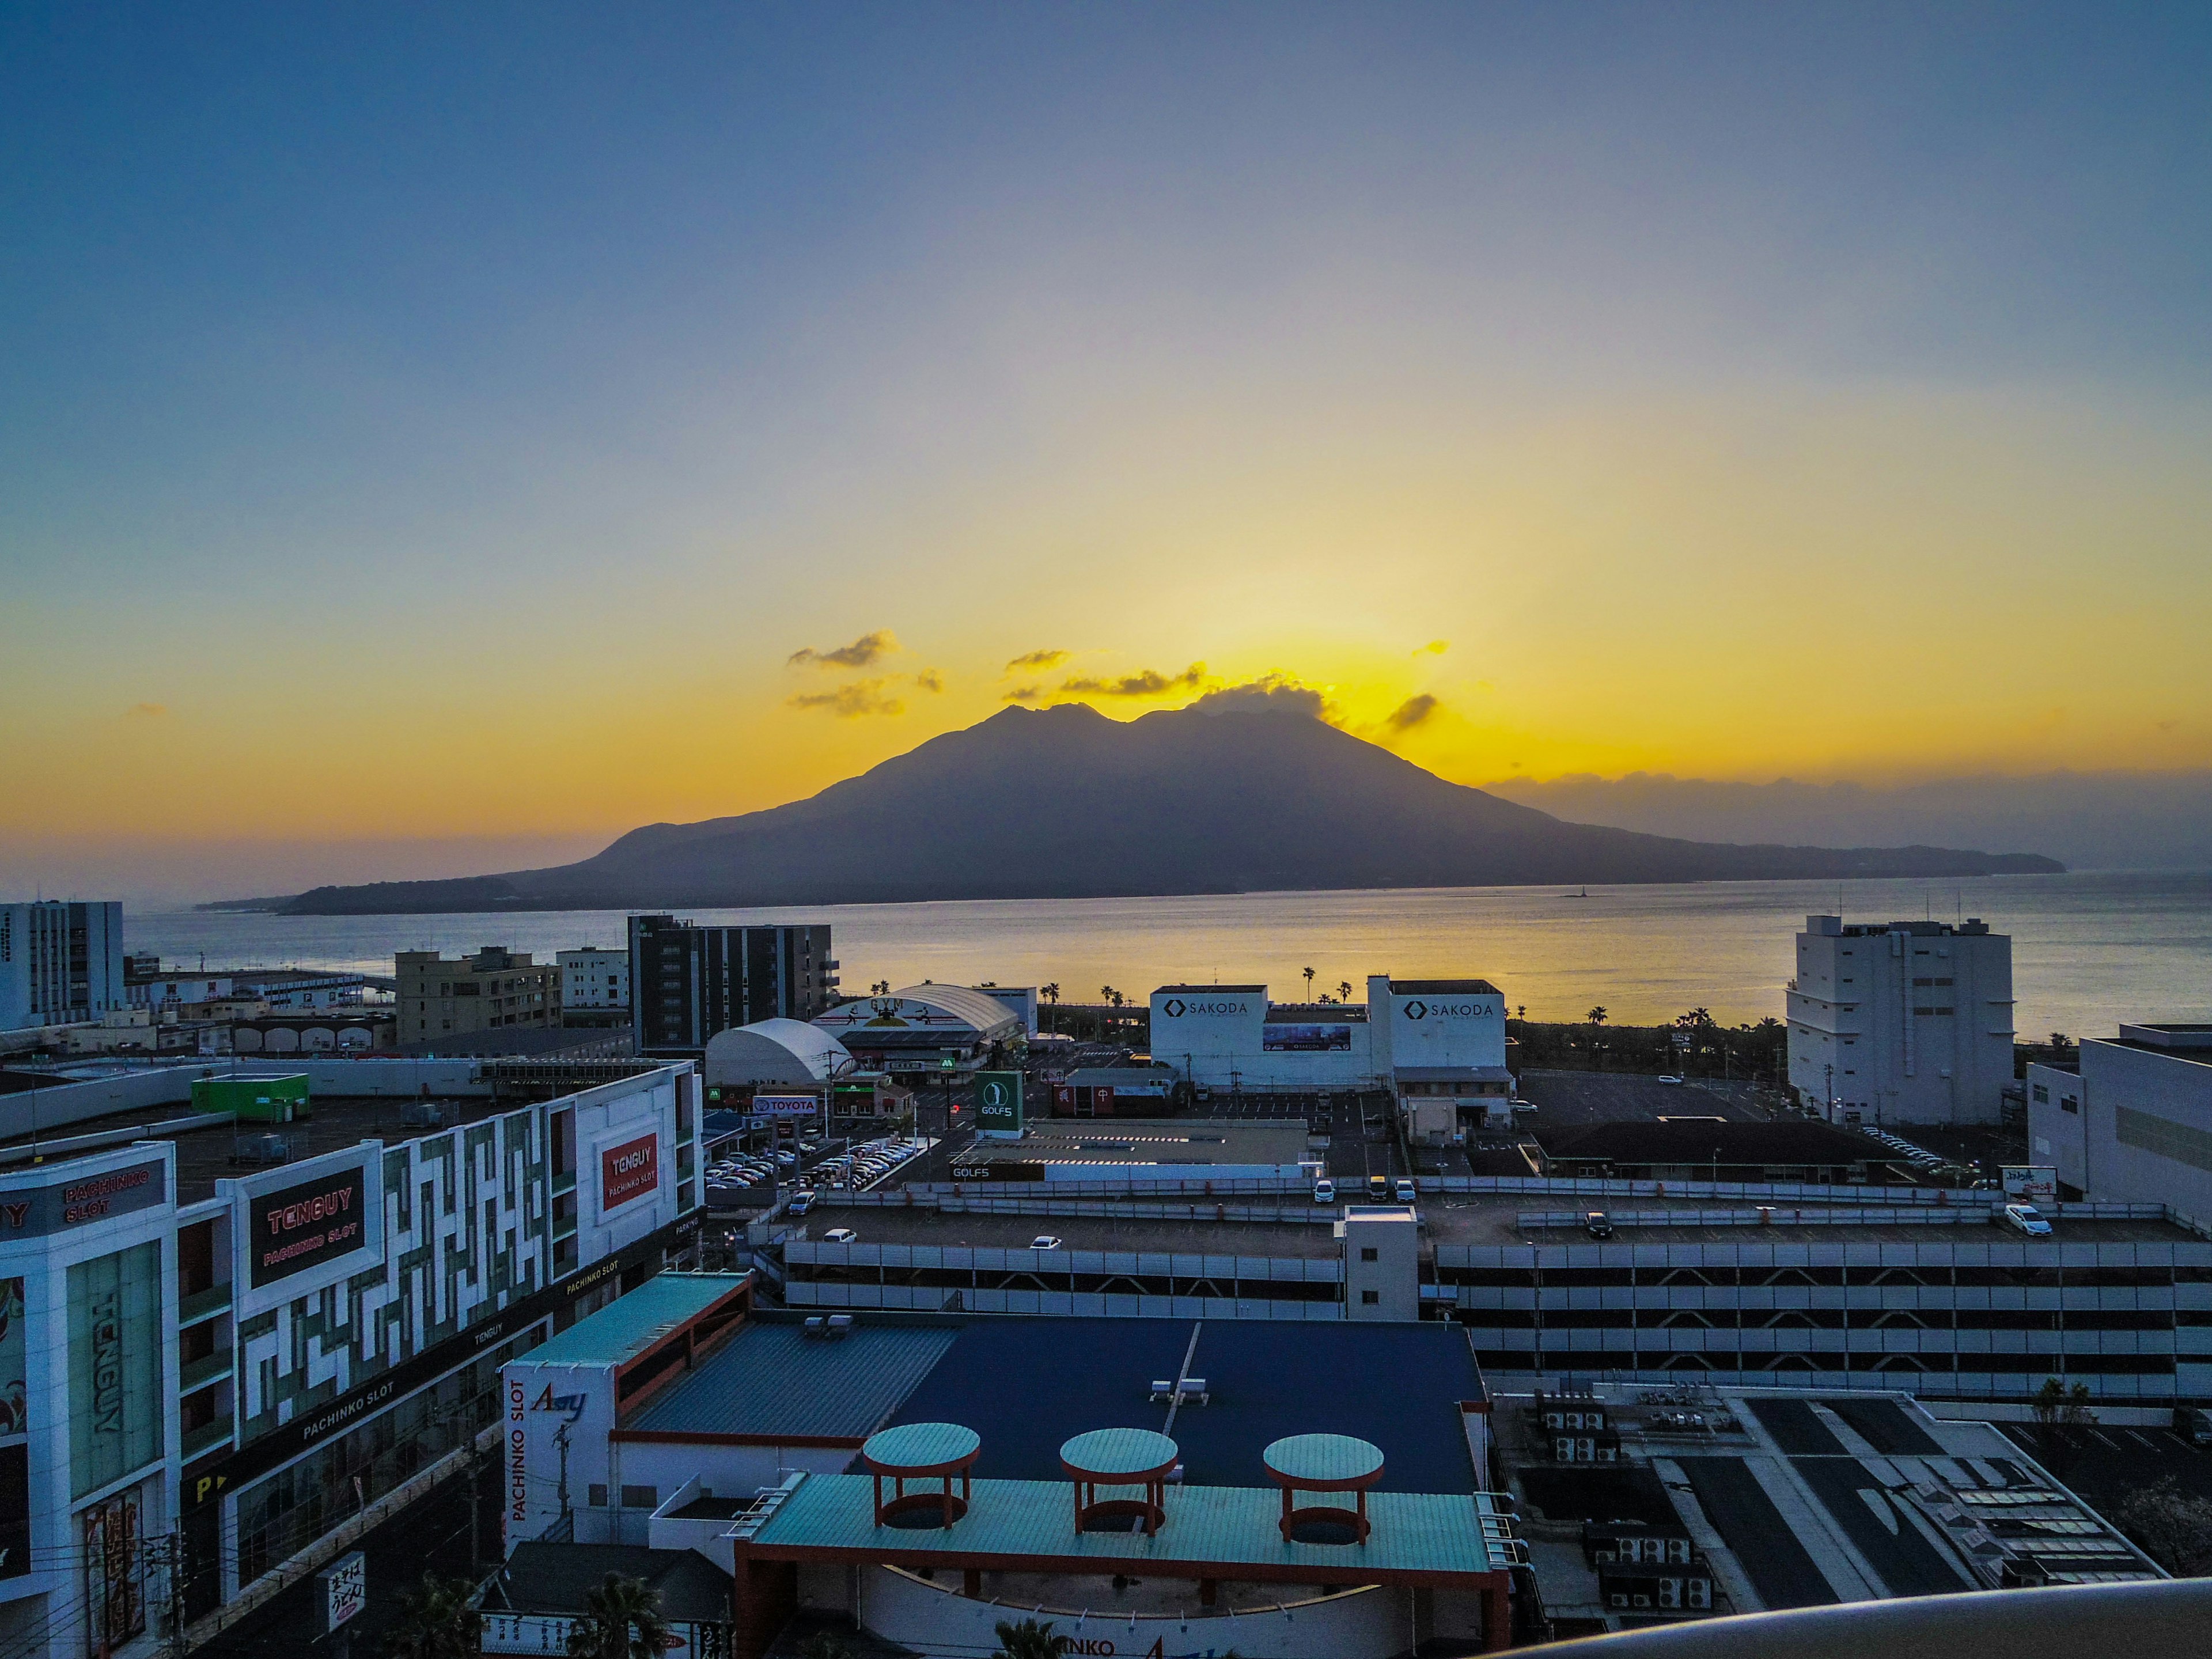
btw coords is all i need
(1901, 1022)
(689, 982)
(61, 962)
(594, 986)
(492, 990)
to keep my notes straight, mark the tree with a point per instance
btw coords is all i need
(1051, 994)
(2173, 1527)
(1031, 1640)
(1309, 974)
(825, 1644)
(2058, 1409)
(1520, 1012)
(435, 1622)
(881, 988)
(620, 1620)
(1597, 1015)
(1343, 990)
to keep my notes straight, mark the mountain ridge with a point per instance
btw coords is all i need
(1065, 803)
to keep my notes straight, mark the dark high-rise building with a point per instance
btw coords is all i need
(687, 983)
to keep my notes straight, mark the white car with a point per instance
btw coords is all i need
(1403, 1190)
(1044, 1242)
(840, 1236)
(1324, 1191)
(1671, 1080)
(2028, 1219)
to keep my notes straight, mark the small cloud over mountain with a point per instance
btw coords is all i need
(1411, 713)
(867, 650)
(1024, 693)
(1146, 682)
(1033, 659)
(1269, 694)
(852, 701)
(929, 680)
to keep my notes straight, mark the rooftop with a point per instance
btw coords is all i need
(774, 1378)
(1684, 1141)
(555, 1579)
(1233, 990)
(1427, 1533)
(1443, 987)
(630, 1324)
(1151, 1140)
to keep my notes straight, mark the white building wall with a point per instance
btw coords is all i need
(2144, 1133)
(1909, 1024)
(594, 978)
(1215, 1037)
(38, 984)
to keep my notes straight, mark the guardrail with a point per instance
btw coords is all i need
(1867, 1215)
(1349, 1188)
(1107, 1208)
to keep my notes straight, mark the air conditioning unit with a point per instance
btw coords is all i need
(422, 1116)
(263, 1149)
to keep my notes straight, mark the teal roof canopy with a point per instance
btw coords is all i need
(1128, 1453)
(1323, 1462)
(921, 1446)
(630, 1324)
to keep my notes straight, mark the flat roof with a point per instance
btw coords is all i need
(1443, 987)
(1151, 1140)
(1414, 1533)
(773, 1378)
(632, 1322)
(1235, 990)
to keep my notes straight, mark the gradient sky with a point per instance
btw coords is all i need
(444, 426)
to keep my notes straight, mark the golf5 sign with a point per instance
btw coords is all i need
(999, 1105)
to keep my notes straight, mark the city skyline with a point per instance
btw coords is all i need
(499, 431)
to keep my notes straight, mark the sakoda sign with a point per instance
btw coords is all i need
(629, 1171)
(1432, 1009)
(296, 1228)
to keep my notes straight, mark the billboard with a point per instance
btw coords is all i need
(1305, 1039)
(786, 1105)
(82, 1200)
(2035, 1183)
(998, 1169)
(999, 1105)
(293, 1228)
(630, 1169)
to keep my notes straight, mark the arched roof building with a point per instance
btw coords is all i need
(783, 1052)
(935, 1028)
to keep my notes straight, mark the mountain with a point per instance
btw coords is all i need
(2091, 820)
(1064, 803)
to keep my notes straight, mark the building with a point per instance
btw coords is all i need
(938, 1030)
(495, 989)
(146, 984)
(1191, 1149)
(247, 1336)
(61, 962)
(1714, 1149)
(1438, 1045)
(594, 986)
(1728, 1500)
(776, 1052)
(1170, 1485)
(1022, 998)
(1842, 1287)
(301, 990)
(688, 982)
(2134, 1124)
(1906, 1022)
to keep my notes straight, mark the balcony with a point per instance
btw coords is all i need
(203, 1305)
(200, 1373)
(212, 1436)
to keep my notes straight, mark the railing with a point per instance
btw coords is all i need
(202, 1304)
(210, 1436)
(201, 1372)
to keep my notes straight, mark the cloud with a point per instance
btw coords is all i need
(1434, 648)
(145, 711)
(1146, 682)
(1045, 659)
(929, 680)
(868, 649)
(1024, 693)
(1269, 694)
(1411, 713)
(852, 702)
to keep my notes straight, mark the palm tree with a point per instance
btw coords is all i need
(435, 1622)
(1309, 974)
(1597, 1015)
(1051, 994)
(620, 1620)
(1343, 990)
(1031, 1640)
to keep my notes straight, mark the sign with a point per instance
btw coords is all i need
(2033, 1184)
(999, 1105)
(1063, 1099)
(786, 1105)
(1305, 1039)
(295, 1228)
(81, 1200)
(1463, 1009)
(1101, 1101)
(629, 1171)
(998, 1168)
(341, 1590)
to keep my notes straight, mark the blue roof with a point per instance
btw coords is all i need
(1027, 1384)
(630, 1324)
(773, 1378)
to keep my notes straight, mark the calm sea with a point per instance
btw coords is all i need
(2088, 950)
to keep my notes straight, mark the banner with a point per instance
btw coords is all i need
(999, 1105)
(629, 1171)
(296, 1228)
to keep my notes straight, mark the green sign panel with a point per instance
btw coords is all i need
(998, 1103)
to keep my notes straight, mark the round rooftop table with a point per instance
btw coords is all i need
(1323, 1462)
(921, 1451)
(1119, 1457)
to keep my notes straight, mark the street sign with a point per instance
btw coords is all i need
(999, 1105)
(341, 1590)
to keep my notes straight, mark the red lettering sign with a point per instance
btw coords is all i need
(629, 1171)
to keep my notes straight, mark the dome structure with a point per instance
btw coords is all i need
(783, 1053)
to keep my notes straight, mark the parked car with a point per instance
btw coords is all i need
(1405, 1190)
(1598, 1224)
(1324, 1191)
(2028, 1219)
(1045, 1242)
(1670, 1079)
(1378, 1186)
(800, 1203)
(840, 1236)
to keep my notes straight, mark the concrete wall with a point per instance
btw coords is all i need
(2145, 1127)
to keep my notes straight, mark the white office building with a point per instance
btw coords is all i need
(1439, 1045)
(594, 978)
(1901, 1022)
(2134, 1125)
(61, 962)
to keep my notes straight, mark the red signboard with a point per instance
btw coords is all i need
(1101, 1101)
(629, 1171)
(1063, 1099)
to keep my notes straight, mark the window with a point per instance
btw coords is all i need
(2068, 1104)
(1369, 1298)
(2042, 1095)
(1367, 1253)
(640, 1497)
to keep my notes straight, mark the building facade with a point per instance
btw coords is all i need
(2134, 1125)
(689, 982)
(492, 990)
(198, 1387)
(1902, 1022)
(61, 962)
(594, 981)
